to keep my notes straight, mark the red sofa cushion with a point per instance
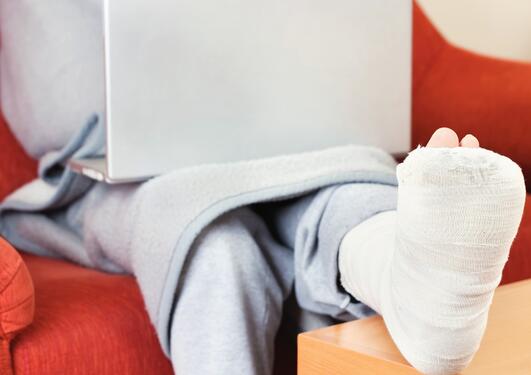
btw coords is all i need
(86, 322)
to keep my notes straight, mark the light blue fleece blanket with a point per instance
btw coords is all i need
(148, 229)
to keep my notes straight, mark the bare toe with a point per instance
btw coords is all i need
(443, 137)
(469, 141)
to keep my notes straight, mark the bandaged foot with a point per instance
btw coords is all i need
(431, 267)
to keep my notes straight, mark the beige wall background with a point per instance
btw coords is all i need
(494, 27)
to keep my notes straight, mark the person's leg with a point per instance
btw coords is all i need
(314, 226)
(431, 267)
(230, 305)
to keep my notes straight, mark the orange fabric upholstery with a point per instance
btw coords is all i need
(16, 300)
(86, 322)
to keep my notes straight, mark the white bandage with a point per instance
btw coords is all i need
(431, 267)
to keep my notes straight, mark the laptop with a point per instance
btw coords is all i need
(216, 81)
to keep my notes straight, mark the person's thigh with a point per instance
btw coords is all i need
(230, 303)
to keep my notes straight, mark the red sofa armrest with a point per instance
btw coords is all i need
(470, 93)
(17, 302)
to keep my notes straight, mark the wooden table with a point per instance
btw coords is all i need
(365, 347)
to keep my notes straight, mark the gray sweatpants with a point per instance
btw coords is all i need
(247, 262)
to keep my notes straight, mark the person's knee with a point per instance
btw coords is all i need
(229, 244)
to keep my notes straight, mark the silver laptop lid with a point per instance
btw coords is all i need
(210, 81)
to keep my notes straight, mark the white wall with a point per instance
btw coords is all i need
(493, 27)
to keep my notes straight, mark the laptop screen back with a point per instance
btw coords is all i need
(210, 81)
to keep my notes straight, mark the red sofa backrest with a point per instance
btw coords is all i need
(16, 167)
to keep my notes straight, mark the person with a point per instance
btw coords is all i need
(429, 265)
(426, 254)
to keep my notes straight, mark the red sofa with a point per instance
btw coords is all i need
(88, 322)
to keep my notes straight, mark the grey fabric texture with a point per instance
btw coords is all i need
(245, 264)
(148, 229)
